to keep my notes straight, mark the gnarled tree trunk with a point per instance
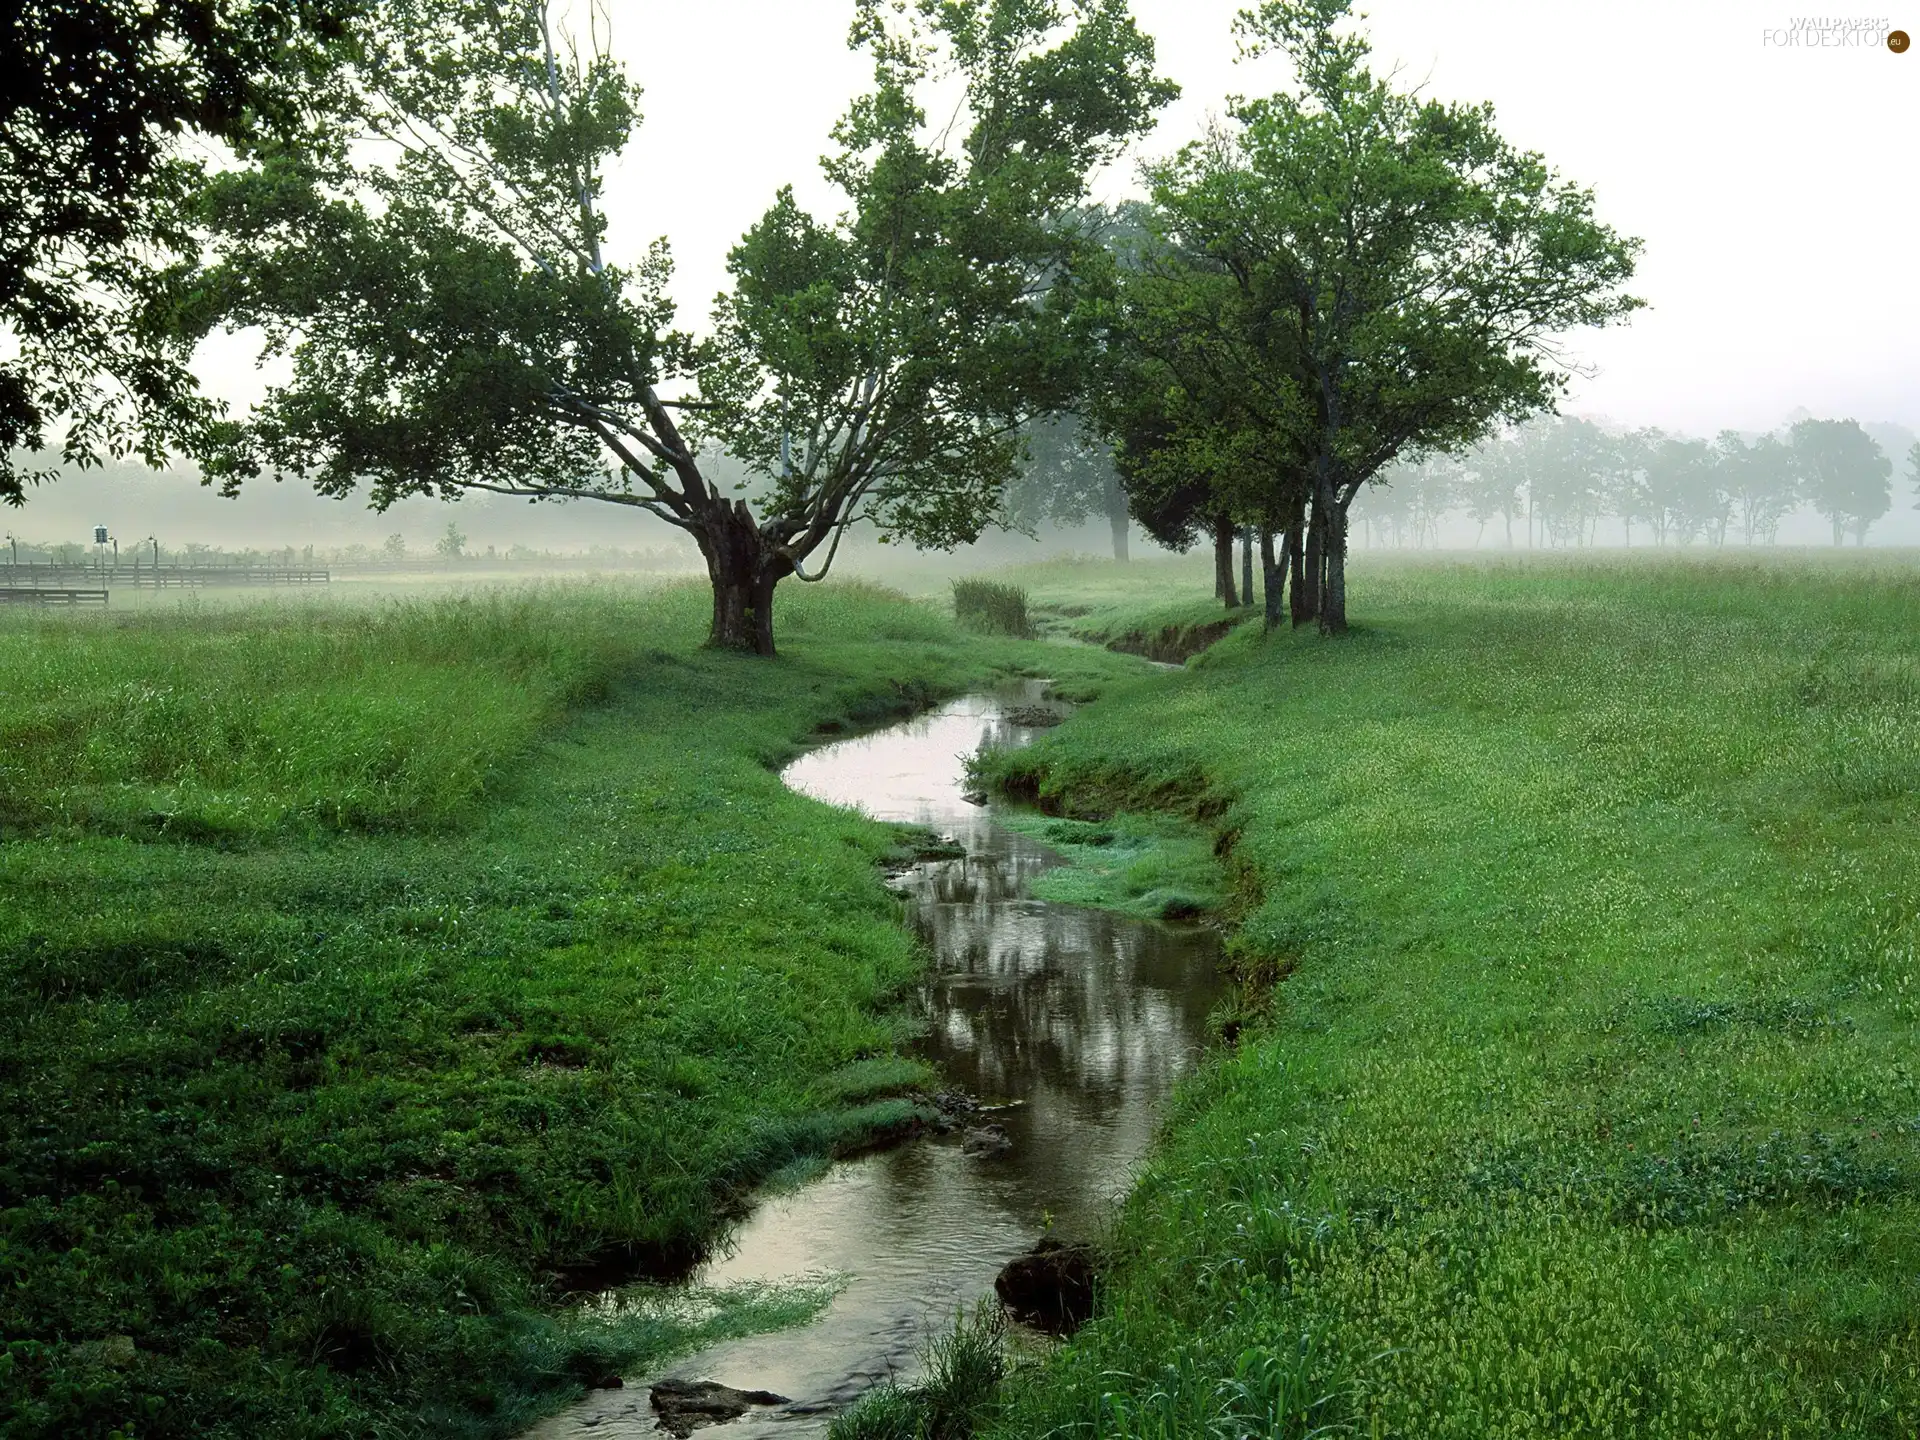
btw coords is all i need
(743, 568)
(1117, 517)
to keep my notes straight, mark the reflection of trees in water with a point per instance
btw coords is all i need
(910, 772)
(1086, 1016)
(1035, 996)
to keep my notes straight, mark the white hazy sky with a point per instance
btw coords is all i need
(1774, 186)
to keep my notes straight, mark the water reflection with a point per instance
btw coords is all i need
(1080, 1020)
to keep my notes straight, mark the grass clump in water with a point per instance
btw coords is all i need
(1156, 867)
(953, 1401)
(993, 607)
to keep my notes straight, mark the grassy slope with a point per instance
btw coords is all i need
(1590, 1105)
(1126, 605)
(342, 1009)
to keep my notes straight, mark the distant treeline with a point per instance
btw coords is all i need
(1552, 482)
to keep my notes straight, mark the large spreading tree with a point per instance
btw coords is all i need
(1411, 274)
(440, 279)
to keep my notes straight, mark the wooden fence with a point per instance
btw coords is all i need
(51, 576)
(49, 595)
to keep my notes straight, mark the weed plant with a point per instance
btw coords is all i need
(369, 976)
(992, 607)
(956, 1397)
(1590, 1105)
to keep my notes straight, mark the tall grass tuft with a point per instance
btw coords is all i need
(959, 1394)
(989, 605)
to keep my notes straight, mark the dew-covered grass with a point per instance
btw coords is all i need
(370, 973)
(1590, 1105)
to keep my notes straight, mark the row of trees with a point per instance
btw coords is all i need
(1557, 478)
(1334, 278)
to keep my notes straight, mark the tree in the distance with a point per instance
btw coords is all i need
(1411, 497)
(1760, 481)
(1491, 484)
(1682, 488)
(1847, 477)
(1570, 477)
(454, 322)
(1067, 476)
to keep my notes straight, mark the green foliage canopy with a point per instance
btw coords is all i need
(453, 323)
(93, 189)
(1410, 272)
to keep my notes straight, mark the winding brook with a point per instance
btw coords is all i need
(1080, 1020)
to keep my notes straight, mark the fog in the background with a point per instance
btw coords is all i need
(1772, 185)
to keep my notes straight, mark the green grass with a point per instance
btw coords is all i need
(1161, 608)
(1590, 1105)
(956, 1397)
(369, 970)
(992, 607)
(239, 721)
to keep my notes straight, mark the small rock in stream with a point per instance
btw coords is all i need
(952, 1110)
(1051, 1286)
(685, 1405)
(986, 1141)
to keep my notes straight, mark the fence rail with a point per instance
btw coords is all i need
(49, 595)
(148, 577)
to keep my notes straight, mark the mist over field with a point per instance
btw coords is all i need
(135, 502)
(1802, 140)
(958, 720)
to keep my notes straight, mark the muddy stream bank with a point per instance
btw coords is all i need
(1078, 1021)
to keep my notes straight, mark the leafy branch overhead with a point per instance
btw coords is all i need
(94, 188)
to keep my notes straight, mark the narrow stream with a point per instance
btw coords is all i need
(1083, 1018)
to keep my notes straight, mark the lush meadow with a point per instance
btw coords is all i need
(374, 971)
(1577, 919)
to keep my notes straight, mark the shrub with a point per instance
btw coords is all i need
(991, 606)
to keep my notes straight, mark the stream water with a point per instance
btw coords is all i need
(1082, 1019)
